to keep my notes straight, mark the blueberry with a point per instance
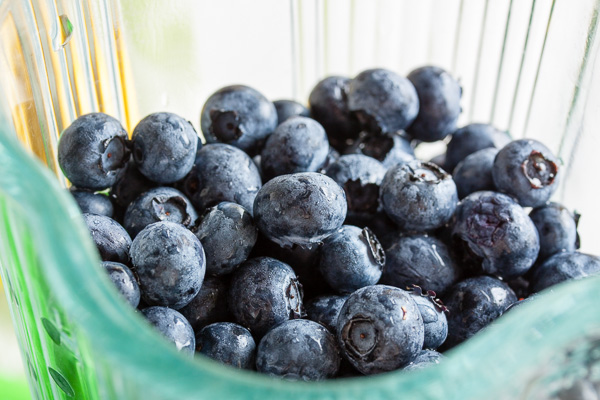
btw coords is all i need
(471, 138)
(388, 148)
(328, 103)
(495, 234)
(299, 144)
(435, 324)
(325, 310)
(111, 239)
(130, 186)
(92, 203)
(526, 170)
(380, 329)
(425, 359)
(170, 264)
(124, 280)
(379, 222)
(164, 147)
(302, 208)
(332, 156)
(439, 103)
(227, 343)
(418, 259)
(351, 258)
(93, 151)
(228, 235)
(473, 304)
(289, 108)
(360, 176)
(562, 267)
(263, 293)
(557, 228)
(222, 173)
(382, 100)
(299, 350)
(173, 326)
(209, 305)
(474, 173)
(240, 116)
(159, 204)
(418, 196)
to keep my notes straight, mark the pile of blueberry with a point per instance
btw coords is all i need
(310, 243)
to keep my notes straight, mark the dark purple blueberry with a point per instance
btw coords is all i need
(351, 258)
(264, 293)
(239, 116)
(159, 204)
(528, 171)
(493, 232)
(418, 196)
(388, 148)
(130, 186)
(425, 359)
(328, 103)
(299, 350)
(302, 208)
(382, 101)
(228, 235)
(473, 304)
(435, 323)
(93, 151)
(439, 103)
(209, 305)
(557, 228)
(164, 147)
(562, 267)
(380, 329)
(170, 264)
(111, 239)
(227, 343)
(289, 108)
(471, 138)
(325, 310)
(173, 326)
(421, 260)
(474, 173)
(299, 144)
(92, 203)
(124, 280)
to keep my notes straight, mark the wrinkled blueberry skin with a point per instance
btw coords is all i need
(228, 234)
(388, 148)
(173, 326)
(164, 147)
(418, 196)
(360, 176)
(439, 103)
(380, 329)
(129, 187)
(435, 324)
(239, 116)
(351, 258)
(473, 304)
(425, 359)
(299, 350)
(302, 208)
(421, 260)
(494, 232)
(222, 173)
(264, 292)
(474, 173)
(209, 305)
(471, 138)
(299, 144)
(111, 239)
(557, 228)
(563, 267)
(528, 171)
(170, 264)
(93, 151)
(159, 204)
(124, 280)
(289, 108)
(325, 310)
(92, 203)
(328, 103)
(227, 343)
(382, 100)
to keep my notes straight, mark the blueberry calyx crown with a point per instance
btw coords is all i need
(430, 294)
(426, 172)
(538, 170)
(225, 125)
(115, 154)
(294, 294)
(160, 205)
(359, 336)
(375, 246)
